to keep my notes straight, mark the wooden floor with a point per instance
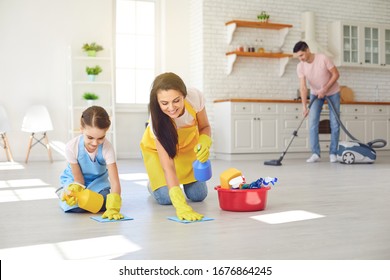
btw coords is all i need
(344, 214)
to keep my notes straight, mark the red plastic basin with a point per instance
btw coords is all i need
(242, 200)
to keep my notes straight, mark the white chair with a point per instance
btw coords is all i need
(4, 127)
(37, 121)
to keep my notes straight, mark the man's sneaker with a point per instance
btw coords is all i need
(332, 158)
(313, 158)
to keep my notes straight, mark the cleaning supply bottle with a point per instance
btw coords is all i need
(89, 200)
(202, 170)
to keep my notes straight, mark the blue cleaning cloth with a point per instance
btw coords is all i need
(176, 219)
(106, 220)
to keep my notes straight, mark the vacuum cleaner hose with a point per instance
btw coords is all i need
(377, 143)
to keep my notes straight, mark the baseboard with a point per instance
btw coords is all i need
(288, 155)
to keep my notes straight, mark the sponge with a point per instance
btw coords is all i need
(227, 175)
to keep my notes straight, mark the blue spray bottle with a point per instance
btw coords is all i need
(202, 170)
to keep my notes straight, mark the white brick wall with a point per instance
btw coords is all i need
(196, 45)
(258, 78)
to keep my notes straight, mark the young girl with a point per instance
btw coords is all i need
(178, 127)
(91, 162)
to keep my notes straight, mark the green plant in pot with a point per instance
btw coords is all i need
(92, 49)
(263, 16)
(93, 72)
(90, 97)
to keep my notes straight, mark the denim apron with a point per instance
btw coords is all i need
(187, 138)
(95, 174)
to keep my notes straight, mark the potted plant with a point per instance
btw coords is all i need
(90, 97)
(92, 48)
(93, 72)
(263, 16)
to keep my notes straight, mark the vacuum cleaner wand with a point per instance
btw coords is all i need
(278, 162)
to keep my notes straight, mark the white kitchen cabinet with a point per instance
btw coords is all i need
(357, 126)
(371, 46)
(254, 134)
(245, 127)
(366, 122)
(385, 54)
(290, 118)
(267, 129)
(252, 127)
(359, 44)
(78, 84)
(354, 118)
(378, 123)
(243, 134)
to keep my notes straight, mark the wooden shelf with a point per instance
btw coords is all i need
(283, 57)
(232, 25)
(282, 30)
(259, 54)
(256, 24)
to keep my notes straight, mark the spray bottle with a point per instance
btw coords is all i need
(202, 170)
(88, 200)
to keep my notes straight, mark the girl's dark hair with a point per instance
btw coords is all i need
(163, 126)
(95, 116)
(300, 46)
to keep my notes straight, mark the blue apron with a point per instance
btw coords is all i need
(95, 174)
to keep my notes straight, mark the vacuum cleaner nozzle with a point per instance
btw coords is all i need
(274, 162)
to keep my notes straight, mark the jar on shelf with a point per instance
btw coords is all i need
(260, 47)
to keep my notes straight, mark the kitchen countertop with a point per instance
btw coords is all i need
(294, 101)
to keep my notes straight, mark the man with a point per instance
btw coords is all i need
(322, 75)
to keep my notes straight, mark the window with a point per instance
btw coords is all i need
(135, 50)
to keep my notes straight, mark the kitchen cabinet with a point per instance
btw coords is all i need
(290, 118)
(378, 118)
(78, 84)
(354, 118)
(360, 44)
(232, 56)
(366, 122)
(244, 127)
(385, 55)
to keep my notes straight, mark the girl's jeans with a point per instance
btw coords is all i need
(314, 121)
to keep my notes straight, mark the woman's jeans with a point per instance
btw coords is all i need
(196, 191)
(314, 121)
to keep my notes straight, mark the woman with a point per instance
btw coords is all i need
(178, 133)
(91, 159)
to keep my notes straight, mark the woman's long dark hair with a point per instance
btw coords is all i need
(163, 126)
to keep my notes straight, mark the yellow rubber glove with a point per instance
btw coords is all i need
(113, 206)
(69, 194)
(183, 210)
(202, 149)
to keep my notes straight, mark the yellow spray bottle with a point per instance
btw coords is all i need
(88, 200)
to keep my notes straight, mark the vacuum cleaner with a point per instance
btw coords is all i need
(354, 151)
(348, 152)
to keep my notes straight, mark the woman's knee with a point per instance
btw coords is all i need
(162, 196)
(196, 191)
